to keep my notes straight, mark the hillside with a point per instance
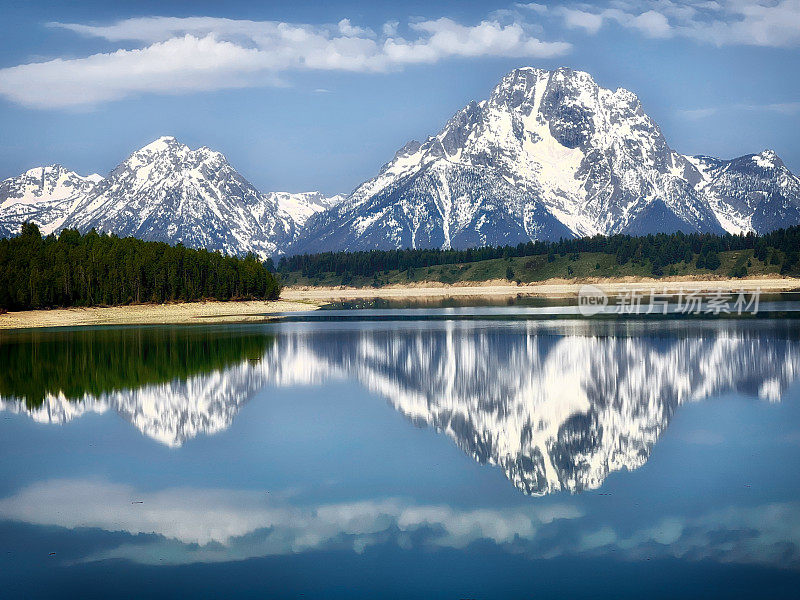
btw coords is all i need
(662, 255)
(537, 268)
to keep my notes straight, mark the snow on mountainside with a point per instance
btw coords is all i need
(556, 408)
(171, 193)
(44, 195)
(170, 412)
(755, 192)
(554, 412)
(163, 192)
(549, 153)
(303, 205)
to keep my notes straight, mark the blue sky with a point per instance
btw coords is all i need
(313, 95)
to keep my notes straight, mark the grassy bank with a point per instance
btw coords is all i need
(529, 269)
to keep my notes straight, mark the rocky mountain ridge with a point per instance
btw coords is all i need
(552, 154)
(164, 192)
(549, 154)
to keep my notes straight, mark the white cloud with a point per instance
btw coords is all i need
(445, 38)
(750, 23)
(651, 23)
(177, 65)
(534, 6)
(180, 55)
(783, 108)
(390, 28)
(579, 19)
(772, 23)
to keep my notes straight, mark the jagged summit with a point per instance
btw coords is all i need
(548, 154)
(164, 191)
(43, 195)
(168, 192)
(768, 159)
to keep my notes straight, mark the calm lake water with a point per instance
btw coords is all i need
(495, 455)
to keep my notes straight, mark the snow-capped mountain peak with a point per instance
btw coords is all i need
(164, 191)
(548, 154)
(300, 207)
(44, 195)
(53, 182)
(768, 159)
(754, 192)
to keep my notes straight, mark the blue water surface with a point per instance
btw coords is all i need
(433, 458)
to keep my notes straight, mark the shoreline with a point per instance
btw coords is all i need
(182, 313)
(300, 299)
(551, 288)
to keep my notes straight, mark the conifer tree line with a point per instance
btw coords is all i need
(658, 250)
(97, 361)
(94, 269)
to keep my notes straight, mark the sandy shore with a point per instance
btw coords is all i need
(154, 314)
(552, 288)
(294, 299)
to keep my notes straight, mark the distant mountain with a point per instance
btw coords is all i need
(300, 207)
(44, 195)
(755, 192)
(552, 154)
(165, 192)
(168, 192)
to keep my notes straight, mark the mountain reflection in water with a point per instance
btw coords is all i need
(557, 406)
(172, 383)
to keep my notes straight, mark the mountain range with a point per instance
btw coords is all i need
(163, 192)
(549, 154)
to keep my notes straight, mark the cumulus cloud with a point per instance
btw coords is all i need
(177, 65)
(773, 23)
(578, 19)
(179, 55)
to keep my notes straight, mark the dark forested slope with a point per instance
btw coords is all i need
(93, 269)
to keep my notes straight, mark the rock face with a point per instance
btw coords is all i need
(44, 195)
(552, 154)
(555, 409)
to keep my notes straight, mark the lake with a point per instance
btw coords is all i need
(497, 452)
